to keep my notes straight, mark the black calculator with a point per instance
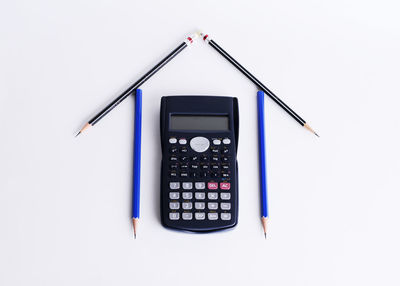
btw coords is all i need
(199, 173)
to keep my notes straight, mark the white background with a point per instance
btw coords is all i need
(334, 201)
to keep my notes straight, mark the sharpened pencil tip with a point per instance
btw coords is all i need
(134, 235)
(265, 235)
(77, 134)
(316, 134)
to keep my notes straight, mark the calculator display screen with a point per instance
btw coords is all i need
(199, 122)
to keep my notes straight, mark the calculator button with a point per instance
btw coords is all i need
(182, 141)
(225, 186)
(214, 150)
(225, 159)
(217, 142)
(212, 196)
(174, 195)
(173, 150)
(225, 196)
(173, 216)
(194, 166)
(199, 144)
(212, 206)
(200, 196)
(205, 167)
(183, 150)
(203, 174)
(174, 206)
(187, 216)
(215, 159)
(184, 158)
(199, 205)
(226, 141)
(184, 166)
(212, 186)
(225, 166)
(225, 206)
(225, 151)
(187, 195)
(214, 175)
(174, 185)
(184, 175)
(200, 185)
(194, 158)
(212, 216)
(173, 174)
(225, 175)
(225, 216)
(194, 174)
(200, 216)
(187, 206)
(172, 140)
(215, 167)
(187, 186)
(173, 158)
(204, 158)
(173, 166)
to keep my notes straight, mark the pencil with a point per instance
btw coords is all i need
(188, 41)
(262, 160)
(136, 161)
(258, 83)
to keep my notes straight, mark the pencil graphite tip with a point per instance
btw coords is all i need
(316, 134)
(77, 134)
(265, 235)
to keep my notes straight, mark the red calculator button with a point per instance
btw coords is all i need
(225, 186)
(212, 186)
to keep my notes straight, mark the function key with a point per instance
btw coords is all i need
(214, 167)
(225, 216)
(212, 216)
(184, 175)
(194, 175)
(225, 159)
(225, 186)
(172, 140)
(194, 158)
(173, 174)
(217, 142)
(173, 216)
(214, 175)
(173, 158)
(225, 151)
(205, 167)
(173, 166)
(183, 150)
(184, 158)
(214, 150)
(225, 166)
(212, 186)
(187, 206)
(182, 141)
(174, 185)
(187, 185)
(200, 185)
(173, 150)
(194, 166)
(204, 158)
(184, 166)
(203, 174)
(226, 141)
(225, 175)
(215, 159)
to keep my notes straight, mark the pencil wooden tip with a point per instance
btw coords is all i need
(135, 222)
(86, 126)
(264, 221)
(310, 129)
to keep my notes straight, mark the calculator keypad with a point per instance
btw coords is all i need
(199, 182)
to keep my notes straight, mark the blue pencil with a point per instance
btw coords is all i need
(263, 159)
(136, 162)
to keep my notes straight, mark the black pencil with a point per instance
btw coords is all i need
(189, 40)
(258, 83)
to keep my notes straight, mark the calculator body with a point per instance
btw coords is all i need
(199, 173)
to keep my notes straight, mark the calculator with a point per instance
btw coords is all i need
(199, 170)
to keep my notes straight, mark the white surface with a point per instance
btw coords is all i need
(334, 201)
